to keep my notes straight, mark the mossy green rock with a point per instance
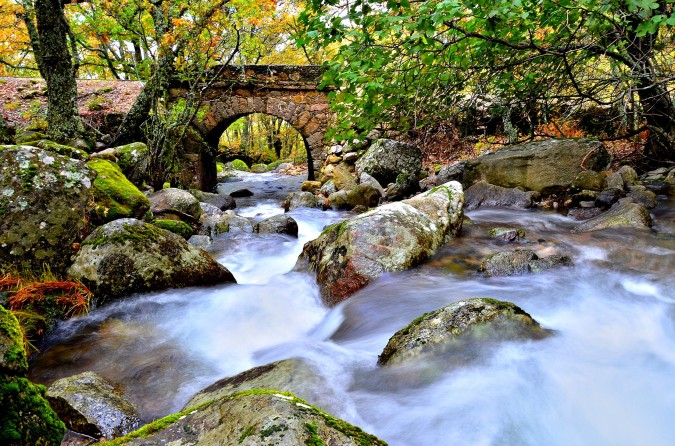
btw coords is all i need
(471, 320)
(27, 137)
(127, 256)
(394, 237)
(547, 167)
(176, 226)
(252, 418)
(259, 168)
(12, 354)
(26, 419)
(239, 165)
(70, 152)
(91, 405)
(43, 202)
(115, 196)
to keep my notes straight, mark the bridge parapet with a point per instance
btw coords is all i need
(277, 77)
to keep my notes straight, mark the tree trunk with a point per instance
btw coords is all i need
(57, 69)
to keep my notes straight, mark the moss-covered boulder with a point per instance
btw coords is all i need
(547, 167)
(277, 224)
(127, 256)
(460, 323)
(12, 353)
(239, 165)
(115, 196)
(132, 159)
(623, 214)
(29, 137)
(43, 202)
(60, 149)
(349, 255)
(252, 418)
(176, 226)
(91, 405)
(26, 419)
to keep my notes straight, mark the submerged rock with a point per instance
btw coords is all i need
(278, 224)
(252, 418)
(506, 234)
(547, 167)
(624, 214)
(43, 199)
(91, 405)
(509, 263)
(349, 255)
(484, 194)
(472, 320)
(127, 256)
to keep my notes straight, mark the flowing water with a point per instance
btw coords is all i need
(605, 378)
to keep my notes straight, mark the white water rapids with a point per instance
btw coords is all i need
(605, 378)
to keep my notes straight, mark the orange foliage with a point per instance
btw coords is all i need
(72, 297)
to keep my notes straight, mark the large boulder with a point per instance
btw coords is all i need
(178, 202)
(466, 321)
(252, 418)
(484, 194)
(43, 197)
(114, 196)
(386, 159)
(127, 255)
(25, 415)
(548, 167)
(349, 255)
(623, 214)
(91, 405)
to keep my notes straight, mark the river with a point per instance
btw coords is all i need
(605, 378)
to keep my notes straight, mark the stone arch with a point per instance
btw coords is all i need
(290, 93)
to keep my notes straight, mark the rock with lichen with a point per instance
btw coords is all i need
(447, 330)
(43, 203)
(91, 405)
(127, 256)
(26, 419)
(386, 159)
(253, 417)
(394, 237)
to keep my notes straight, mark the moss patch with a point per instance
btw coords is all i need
(176, 226)
(136, 234)
(239, 165)
(12, 353)
(115, 196)
(26, 418)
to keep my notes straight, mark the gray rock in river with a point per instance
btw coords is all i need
(460, 323)
(221, 201)
(624, 214)
(91, 405)
(127, 256)
(386, 159)
(278, 224)
(394, 237)
(510, 263)
(484, 194)
(253, 418)
(178, 201)
(300, 200)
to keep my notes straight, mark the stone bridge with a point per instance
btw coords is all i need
(285, 91)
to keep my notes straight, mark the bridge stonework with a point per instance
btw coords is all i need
(284, 91)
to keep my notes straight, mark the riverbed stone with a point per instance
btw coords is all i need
(404, 186)
(360, 195)
(91, 405)
(278, 224)
(252, 418)
(221, 201)
(466, 321)
(386, 159)
(394, 237)
(343, 178)
(485, 194)
(506, 234)
(454, 172)
(520, 261)
(127, 256)
(177, 202)
(43, 199)
(300, 200)
(623, 214)
(608, 197)
(548, 167)
(645, 197)
(590, 180)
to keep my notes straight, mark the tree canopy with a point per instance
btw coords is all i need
(402, 64)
